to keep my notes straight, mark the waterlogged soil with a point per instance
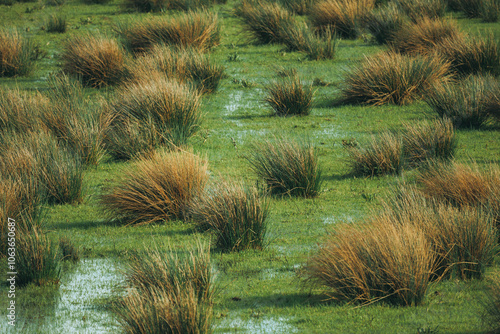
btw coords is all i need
(75, 306)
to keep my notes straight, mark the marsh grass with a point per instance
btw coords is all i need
(424, 36)
(382, 155)
(160, 188)
(19, 111)
(385, 22)
(147, 6)
(17, 54)
(96, 60)
(168, 293)
(471, 8)
(429, 140)
(236, 213)
(38, 259)
(56, 23)
(197, 29)
(167, 109)
(265, 22)
(299, 37)
(492, 305)
(468, 104)
(490, 10)
(68, 250)
(472, 55)
(420, 9)
(299, 7)
(288, 167)
(75, 122)
(185, 64)
(392, 78)
(373, 262)
(289, 96)
(341, 17)
(37, 154)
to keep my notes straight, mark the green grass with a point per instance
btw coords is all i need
(235, 116)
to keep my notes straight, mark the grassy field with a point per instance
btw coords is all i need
(258, 291)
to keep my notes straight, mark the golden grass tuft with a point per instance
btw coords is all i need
(372, 262)
(160, 188)
(392, 78)
(198, 29)
(19, 111)
(289, 96)
(341, 17)
(95, 60)
(16, 54)
(421, 9)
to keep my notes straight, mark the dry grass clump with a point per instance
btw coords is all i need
(423, 36)
(95, 60)
(289, 96)
(288, 167)
(168, 293)
(299, 37)
(392, 78)
(341, 17)
(17, 54)
(198, 29)
(429, 140)
(472, 55)
(38, 155)
(167, 110)
(265, 22)
(38, 259)
(187, 65)
(19, 111)
(373, 262)
(419, 9)
(383, 23)
(382, 155)
(470, 103)
(162, 187)
(299, 7)
(236, 213)
(462, 185)
(75, 121)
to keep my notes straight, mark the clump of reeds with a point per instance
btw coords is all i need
(490, 10)
(419, 9)
(385, 22)
(19, 111)
(38, 155)
(471, 8)
(374, 262)
(299, 37)
(288, 167)
(17, 54)
(392, 78)
(76, 122)
(168, 293)
(472, 55)
(429, 140)
(266, 22)
(463, 239)
(289, 96)
(38, 260)
(299, 7)
(187, 65)
(382, 155)
(341, 17)
(468, 104)
(56, 23)
(147, 6)
(198, 29)
(236, 213)
(166, 109)
(160, 188)
(95, 60)
(424, 36)
(68, 250)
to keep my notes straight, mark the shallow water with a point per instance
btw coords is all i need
(261, 326)
(75, 309)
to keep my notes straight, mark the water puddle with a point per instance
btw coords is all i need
(261, 326)
(338, 219)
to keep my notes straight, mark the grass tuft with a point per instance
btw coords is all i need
(420, 9)
(236, 213)
(385, 22)
(378, 261)
(392, 78)
(289, 96)
(56, 23)
(160, 188)
(95, 60)
(382, 155)
(17, 54)
(19, 111)
(288, 167)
